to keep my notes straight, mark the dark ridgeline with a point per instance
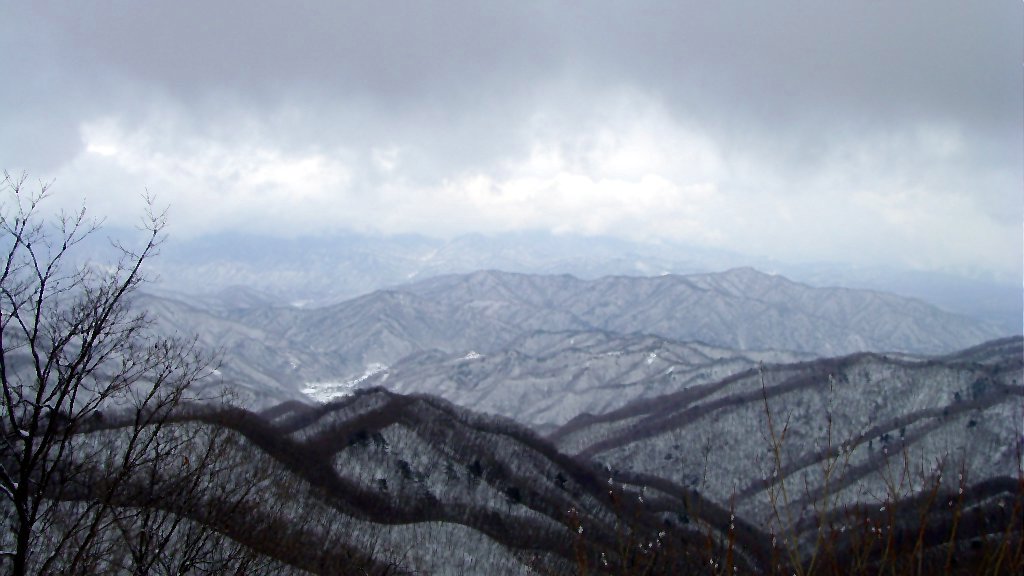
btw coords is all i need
(392, 484)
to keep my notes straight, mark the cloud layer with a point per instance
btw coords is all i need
(872, 133)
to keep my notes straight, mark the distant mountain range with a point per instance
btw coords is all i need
(274, 352)
(317, 271)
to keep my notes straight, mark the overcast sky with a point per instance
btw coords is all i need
(867, 132)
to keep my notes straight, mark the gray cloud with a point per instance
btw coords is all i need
(882, 132)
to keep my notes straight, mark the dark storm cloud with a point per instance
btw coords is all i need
(710, 121)
(868, 63)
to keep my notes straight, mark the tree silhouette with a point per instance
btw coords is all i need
(73, 356)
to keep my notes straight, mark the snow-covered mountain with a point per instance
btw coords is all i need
(275, 352)
(925, 451)
(318, 271)
(379, 483)
(843, 431)
(544, 379)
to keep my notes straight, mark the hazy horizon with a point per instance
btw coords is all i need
(871, 135)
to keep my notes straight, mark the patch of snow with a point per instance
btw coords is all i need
(473, 355)
(651, 358)
(326, 391)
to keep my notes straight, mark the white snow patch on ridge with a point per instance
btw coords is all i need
(330, 390)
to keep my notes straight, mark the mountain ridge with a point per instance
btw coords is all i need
(959, 412)
(385, 483)
(328, 269)
(288, 347)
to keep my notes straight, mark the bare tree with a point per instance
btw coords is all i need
(72, 350)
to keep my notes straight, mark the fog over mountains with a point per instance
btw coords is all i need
(316, 271)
